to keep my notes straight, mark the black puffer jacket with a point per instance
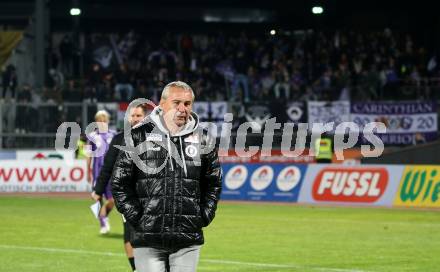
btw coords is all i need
(177, 196)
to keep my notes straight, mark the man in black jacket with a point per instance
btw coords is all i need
(137, 114)
(167, 184)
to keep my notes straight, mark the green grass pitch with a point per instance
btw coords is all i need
(54, 234)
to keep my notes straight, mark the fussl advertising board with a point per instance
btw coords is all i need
(354, 185)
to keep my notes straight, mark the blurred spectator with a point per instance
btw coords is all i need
(240, 83)
(267, 83)
(419, 139)
(124, 88)
(105, 91)
(66, 53)
(72, 92)
(24, 112)
(282, 85)
(141, 92)
(9, 81)
(186, 44)
(95, 75)
(297, 83)
(55, 79)
(81, 151)
(90, 94)
(163, 59)
(25, 95)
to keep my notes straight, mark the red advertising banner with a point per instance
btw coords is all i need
(365, 185)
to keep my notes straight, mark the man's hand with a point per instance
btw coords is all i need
(95, 196)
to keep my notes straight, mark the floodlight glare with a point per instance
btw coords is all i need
(75, 11)
(273, 32)
(317, 10)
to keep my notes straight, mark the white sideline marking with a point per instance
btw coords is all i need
(315, 268)
(88, 252)
(343, 221)
(48, 249)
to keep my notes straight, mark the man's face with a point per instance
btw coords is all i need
(178, 105)
(136, 115)
(102, 124)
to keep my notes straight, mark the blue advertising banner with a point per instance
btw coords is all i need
(262, 182)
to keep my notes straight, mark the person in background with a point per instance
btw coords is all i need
(137, 114)
(419, 138)
(324, 149)
(81, 152)
(99, 142)
(9, 81)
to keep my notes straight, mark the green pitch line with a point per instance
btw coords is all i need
(38, 234)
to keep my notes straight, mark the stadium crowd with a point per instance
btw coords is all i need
(345, 65)
(295, 66)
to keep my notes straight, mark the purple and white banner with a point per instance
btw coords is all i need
(327, 112)
(202, 110)
(406, 122)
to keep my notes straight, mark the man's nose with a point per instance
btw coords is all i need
(181, 108)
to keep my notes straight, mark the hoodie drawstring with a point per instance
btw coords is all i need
(169, 151)
(181, 154)
(183, 157)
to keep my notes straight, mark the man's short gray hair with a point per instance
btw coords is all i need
(176, 84)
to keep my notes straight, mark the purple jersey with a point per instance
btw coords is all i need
(100, 143)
